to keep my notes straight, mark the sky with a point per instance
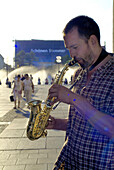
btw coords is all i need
(46, 19)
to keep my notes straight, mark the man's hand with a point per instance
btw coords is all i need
(51, 123)
(61, 94)
(58, 124)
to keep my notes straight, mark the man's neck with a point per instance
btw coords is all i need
(101, 55)
(103, 62)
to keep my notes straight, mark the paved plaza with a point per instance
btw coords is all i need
(17, 152)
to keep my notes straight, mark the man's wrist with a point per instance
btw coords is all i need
(61, 124)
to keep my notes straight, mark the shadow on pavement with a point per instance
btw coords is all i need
(24, 113)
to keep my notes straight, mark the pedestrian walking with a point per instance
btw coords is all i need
(28, 87)
(17, 91)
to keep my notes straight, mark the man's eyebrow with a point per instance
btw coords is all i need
(71, 46)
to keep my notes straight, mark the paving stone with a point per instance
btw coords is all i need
(8, 144)
(56, 133)
(36, 167)
(4, 156)
(55, 142)
(1, 167)
(8, 162)
(24, 161)
(52, 155)
(15, 167)
(18, 124)
(19, 155)
(25, 133)
(11, 152)
(14, 133)
(25, 143)
(29, 151)
(37, 155)
(46, 160)
(47, 150)
(2, 113)
(5, 123)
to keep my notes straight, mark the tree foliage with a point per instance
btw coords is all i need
(25, 59)
(66, 59)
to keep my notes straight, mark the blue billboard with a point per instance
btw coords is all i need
(45, 51)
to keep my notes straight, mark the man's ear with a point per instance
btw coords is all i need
(93, 40)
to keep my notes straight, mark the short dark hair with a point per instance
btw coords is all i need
(86, 27)
(19, 75)
(26, 75)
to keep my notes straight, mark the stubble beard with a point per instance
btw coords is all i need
(83, 63)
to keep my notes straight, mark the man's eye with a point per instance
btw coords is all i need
(75, 48)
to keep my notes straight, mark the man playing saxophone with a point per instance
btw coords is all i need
(89, 142)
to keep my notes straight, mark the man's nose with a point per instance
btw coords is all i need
(72, 54)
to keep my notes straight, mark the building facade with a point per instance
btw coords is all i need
(1, 62)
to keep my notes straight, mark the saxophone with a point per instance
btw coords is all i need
(38, 119)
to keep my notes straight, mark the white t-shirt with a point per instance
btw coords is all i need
(18, 85)
(27, 84)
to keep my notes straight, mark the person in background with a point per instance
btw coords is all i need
(17, 90)
(28, 87)
(39, 81)
(65, 81)
(7, 81)
(22, 77)
(89, 142)
(31, 77)
(46, 81)
(52, 80)
(71, 78)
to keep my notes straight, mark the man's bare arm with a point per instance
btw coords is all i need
(58, 124)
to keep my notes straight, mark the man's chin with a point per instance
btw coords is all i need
(83, 65)
(81, 62)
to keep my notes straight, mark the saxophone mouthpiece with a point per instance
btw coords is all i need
(72, 62)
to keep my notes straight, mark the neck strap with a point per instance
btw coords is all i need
(101, 57)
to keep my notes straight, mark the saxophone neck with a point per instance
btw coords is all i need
(72, 62)
(65, 68)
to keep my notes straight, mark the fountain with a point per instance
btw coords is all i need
(36, 72)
